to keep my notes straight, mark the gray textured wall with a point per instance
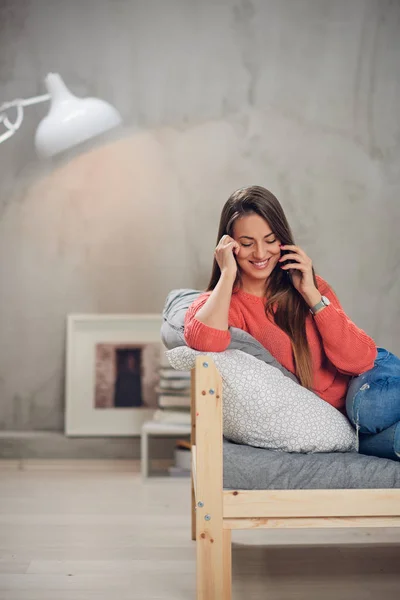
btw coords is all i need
(300, 96)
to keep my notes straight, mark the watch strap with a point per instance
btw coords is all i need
(323, 302)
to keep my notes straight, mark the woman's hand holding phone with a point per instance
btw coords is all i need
(300, 267)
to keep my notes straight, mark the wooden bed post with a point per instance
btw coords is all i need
(193, 443)
(213, 544)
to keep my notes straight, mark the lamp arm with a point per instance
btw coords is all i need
(19, 104)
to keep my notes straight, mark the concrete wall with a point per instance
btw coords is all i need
(299, 96)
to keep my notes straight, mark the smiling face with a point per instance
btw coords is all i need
(259, 251)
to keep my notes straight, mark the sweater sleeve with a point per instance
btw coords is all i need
(349, 348)
(204, 338)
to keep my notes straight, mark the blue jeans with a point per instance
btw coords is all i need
(373, 407)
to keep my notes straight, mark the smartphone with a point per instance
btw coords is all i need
(283, 252)
(285, 262)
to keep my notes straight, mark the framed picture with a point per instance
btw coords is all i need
(111, 373)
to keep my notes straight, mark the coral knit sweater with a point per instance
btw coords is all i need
(339, 349)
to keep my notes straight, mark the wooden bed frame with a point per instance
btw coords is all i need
(215, 511)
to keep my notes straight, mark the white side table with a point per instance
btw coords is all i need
(155, 428)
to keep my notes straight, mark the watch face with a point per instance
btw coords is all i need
(325, 300)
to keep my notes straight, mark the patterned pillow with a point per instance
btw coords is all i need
(263, 408)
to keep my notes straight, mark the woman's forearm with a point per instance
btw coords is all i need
(215, 311)
(347, 346)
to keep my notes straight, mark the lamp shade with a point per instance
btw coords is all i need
(71, 120)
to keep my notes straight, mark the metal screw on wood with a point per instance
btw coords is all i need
(211, 392)
(200, 504)
(205, 364)
(207, 518)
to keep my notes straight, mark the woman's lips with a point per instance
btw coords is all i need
(260, 264)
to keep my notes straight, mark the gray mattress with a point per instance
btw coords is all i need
(249, 468)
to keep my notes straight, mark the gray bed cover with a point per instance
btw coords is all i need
(249, 468)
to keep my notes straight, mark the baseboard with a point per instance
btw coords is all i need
(158, 466)
(19, 445)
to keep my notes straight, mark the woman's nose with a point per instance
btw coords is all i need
(260, 252)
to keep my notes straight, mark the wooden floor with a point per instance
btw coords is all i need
(94, 530)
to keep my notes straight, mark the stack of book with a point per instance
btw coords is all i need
(173, 396)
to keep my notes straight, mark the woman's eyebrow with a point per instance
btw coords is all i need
(250, 238)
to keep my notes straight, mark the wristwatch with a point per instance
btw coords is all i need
(324, 302)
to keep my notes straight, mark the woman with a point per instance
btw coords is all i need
(263, 283)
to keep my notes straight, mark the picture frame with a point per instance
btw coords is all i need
(112, 364)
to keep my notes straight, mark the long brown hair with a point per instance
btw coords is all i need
(284, 304)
